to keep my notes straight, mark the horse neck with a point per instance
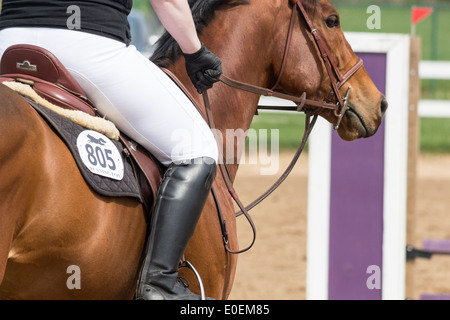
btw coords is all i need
(242, 48)
(232, 111)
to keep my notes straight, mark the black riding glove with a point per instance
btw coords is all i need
(204, 68)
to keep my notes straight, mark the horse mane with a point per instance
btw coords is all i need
(203, 11)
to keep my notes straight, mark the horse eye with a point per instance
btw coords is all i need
(332, 21)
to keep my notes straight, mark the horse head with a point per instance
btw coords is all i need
(305, 68)
(273, 43)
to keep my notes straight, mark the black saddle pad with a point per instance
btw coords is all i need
(100, 160)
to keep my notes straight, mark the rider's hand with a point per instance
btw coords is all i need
(204, 68)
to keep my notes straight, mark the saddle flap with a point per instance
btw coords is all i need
(23, 59)
(148, 165)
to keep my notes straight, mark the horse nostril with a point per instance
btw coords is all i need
(383, 106)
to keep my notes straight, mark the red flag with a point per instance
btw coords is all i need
(419, 13)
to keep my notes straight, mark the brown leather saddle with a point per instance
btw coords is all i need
(40, 69)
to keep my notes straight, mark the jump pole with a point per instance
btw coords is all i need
(357, 191)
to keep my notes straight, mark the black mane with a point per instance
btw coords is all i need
(203, 11)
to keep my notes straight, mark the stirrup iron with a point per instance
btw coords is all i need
(187, 264)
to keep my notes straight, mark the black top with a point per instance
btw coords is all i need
(104, 17)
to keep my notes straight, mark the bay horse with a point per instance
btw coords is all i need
(50, 220)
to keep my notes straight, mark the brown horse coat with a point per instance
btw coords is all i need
(51, 220)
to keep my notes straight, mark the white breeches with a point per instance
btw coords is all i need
(127, 89)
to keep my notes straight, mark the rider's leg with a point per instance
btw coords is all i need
(180, 201)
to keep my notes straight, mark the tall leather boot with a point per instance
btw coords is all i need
(179, 204)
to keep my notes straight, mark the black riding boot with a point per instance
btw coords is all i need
(179, 204)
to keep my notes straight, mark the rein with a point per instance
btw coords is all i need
(340, 107)
(309, 124)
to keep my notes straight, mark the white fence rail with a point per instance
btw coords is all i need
(439, 70)
(434, 70)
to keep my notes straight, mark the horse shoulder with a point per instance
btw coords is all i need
(18, 120)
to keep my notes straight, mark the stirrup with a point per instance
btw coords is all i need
(187, 264)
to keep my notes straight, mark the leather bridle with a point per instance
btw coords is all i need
(337, 80)
(303, 105)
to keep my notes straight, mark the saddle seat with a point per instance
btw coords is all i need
(40, 69)
(46, 74)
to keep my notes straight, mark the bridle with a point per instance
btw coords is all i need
(303, 105)
(336, 78)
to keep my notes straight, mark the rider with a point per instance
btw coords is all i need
(91, 38)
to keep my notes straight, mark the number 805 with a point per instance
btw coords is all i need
(100, 156)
